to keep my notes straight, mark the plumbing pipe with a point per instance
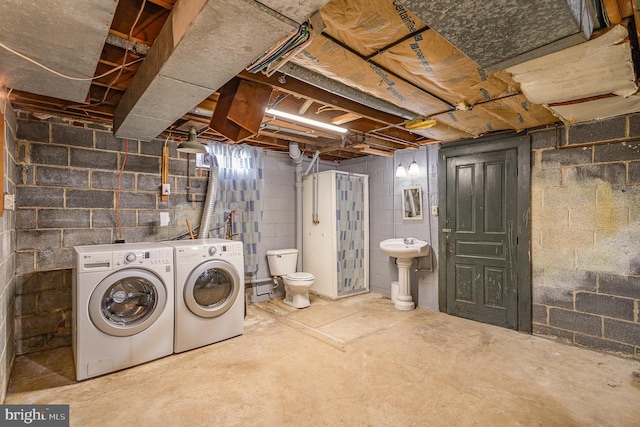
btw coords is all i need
(297, 156)
(212, 189)
(313, 160)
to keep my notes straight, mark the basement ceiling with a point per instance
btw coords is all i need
(396, 74)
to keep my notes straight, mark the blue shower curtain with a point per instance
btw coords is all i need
(241, 190)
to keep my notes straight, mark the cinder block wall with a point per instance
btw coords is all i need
(7, 249)
(585, 214)
(66, 193)
(385, 220)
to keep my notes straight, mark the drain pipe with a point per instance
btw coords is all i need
(297, 157)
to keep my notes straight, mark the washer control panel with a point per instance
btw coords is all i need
(143, 257)
(224, 250)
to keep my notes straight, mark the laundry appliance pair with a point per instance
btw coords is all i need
(136, 302)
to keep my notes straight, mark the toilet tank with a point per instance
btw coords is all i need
(282, 261)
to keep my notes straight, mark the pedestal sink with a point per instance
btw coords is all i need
(404, 250)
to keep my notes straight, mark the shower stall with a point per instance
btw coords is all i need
(335, 228)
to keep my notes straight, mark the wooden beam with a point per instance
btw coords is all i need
(345, 118)
(296, 87)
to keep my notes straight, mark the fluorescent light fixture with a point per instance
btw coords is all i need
(306, 121)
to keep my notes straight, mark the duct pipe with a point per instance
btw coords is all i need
(337, 88)
(212, 189)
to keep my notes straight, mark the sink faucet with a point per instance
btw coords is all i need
(408, 241)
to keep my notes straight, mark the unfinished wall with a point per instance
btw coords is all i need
(585, 213)
(7, 249)
(66, 194)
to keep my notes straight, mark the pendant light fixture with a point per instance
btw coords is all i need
(414, 169)
(401, 171)
(191, 145)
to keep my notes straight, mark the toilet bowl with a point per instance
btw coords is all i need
(296, 286)
(282, 263)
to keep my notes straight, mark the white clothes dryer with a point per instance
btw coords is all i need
(123, 306)
(209, 278)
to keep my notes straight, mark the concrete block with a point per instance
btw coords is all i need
(54, 259)
(138, 200)
(570, 279)
(64, 134)
(602, 130)
(619, 195)
(573, 196)
(41, 154)
(557, 297)
(52, 301)
(88, 236)
(150, 218)
(179, 201)
(559, 259)
(605, 305)
(600, 217)
(619, 151)
(566, 157)
(64, 218)
(39, 197)
(145, 164)
(600, 260)
(25, 174)
(106, 218)
(619, 285)
(563, 237)
(634, 172)
(109, 180)
(153, 147)
(25, 262)
(634, 266)
(539, 314)
(90, 199)
(546, 177)
(26, 218)
(41, 324)
(38, 282)
(93, 159)
(625, 332)
(26, 304)
(61, 177)
(544, 139)
(549, 215)
(179, 167)
(108, 141)
(38, 239)
(33, 131)
(553, 332)
(634, 125)
(603, 344)
(612, 173)
(574, 321)
(150, 183)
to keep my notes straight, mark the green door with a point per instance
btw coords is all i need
(480, 235)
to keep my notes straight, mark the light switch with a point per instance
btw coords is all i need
(434, 210)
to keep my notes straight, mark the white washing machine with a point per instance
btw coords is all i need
(209, 291)
(123, 305)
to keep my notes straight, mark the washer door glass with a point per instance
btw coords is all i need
(127, 302)
(212, 288)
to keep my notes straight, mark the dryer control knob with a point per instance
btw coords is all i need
(212, 251)
(130, 257)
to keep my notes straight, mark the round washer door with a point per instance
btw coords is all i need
(127, 302)
(212, 288)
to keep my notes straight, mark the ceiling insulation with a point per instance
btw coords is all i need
(597, 67)
(203, 44)
(64, 35)
(481, 29)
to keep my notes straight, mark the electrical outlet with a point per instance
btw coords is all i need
(434, 210)
(9, 202)
(166, 189)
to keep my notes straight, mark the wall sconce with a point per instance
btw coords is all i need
(414, 169)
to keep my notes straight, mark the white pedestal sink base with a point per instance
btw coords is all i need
(404, 301)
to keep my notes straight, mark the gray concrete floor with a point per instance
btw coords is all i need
(351, 362)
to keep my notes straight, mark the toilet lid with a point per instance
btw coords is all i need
(300, 276)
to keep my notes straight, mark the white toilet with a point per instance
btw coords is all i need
(282, 263)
